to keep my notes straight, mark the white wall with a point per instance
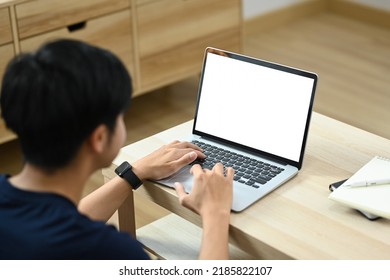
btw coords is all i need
(379, 4)
(253, 8)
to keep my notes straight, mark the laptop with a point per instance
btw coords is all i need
(253, 115)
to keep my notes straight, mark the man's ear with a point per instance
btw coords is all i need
(99, 138)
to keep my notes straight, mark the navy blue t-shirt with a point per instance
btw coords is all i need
(36, 225)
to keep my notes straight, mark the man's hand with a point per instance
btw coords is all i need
(167, 160)
(212, 192)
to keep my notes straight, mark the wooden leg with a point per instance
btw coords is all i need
(126, 216)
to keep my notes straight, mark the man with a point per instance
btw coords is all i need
(66, 103)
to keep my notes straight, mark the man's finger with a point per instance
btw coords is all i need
(230, 172)
(180, 191)
(218, 167)
(196, 169)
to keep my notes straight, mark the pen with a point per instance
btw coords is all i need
(368, 183)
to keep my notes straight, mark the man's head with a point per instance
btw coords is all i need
(54, 98)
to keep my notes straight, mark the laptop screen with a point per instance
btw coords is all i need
(256, 104)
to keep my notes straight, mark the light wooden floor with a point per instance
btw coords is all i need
(350, 57)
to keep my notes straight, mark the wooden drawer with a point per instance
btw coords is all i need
(112, 32)
(40, 16)
(5, 134)
(5, 27)
(171, 43)
(6, 53)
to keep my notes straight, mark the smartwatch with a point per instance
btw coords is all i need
(125, 171)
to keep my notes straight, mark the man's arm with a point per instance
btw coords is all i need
(102, 203)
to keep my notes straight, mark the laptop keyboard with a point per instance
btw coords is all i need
(249, 171)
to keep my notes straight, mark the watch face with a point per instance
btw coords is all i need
(122, 168)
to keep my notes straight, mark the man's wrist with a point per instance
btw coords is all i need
(125, 171)
(216, 218)
(139, 172)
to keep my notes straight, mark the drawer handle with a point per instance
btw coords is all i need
(77, 26)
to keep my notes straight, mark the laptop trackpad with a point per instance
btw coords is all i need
(183, 176)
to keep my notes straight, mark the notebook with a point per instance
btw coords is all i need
(256, 110)
(374, 199)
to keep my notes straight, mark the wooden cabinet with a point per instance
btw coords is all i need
(160, 41)
(172, 36)
(6, 41)
(6, 53)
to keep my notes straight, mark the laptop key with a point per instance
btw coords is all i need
(259, 180)
(249, 183)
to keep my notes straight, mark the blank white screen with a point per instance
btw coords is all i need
(253, 105)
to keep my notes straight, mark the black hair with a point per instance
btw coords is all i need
(55, 97)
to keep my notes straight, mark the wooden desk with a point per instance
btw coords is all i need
(296, 221)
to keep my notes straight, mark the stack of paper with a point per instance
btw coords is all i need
(360, 191)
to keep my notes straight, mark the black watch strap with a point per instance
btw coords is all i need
(125, 171)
